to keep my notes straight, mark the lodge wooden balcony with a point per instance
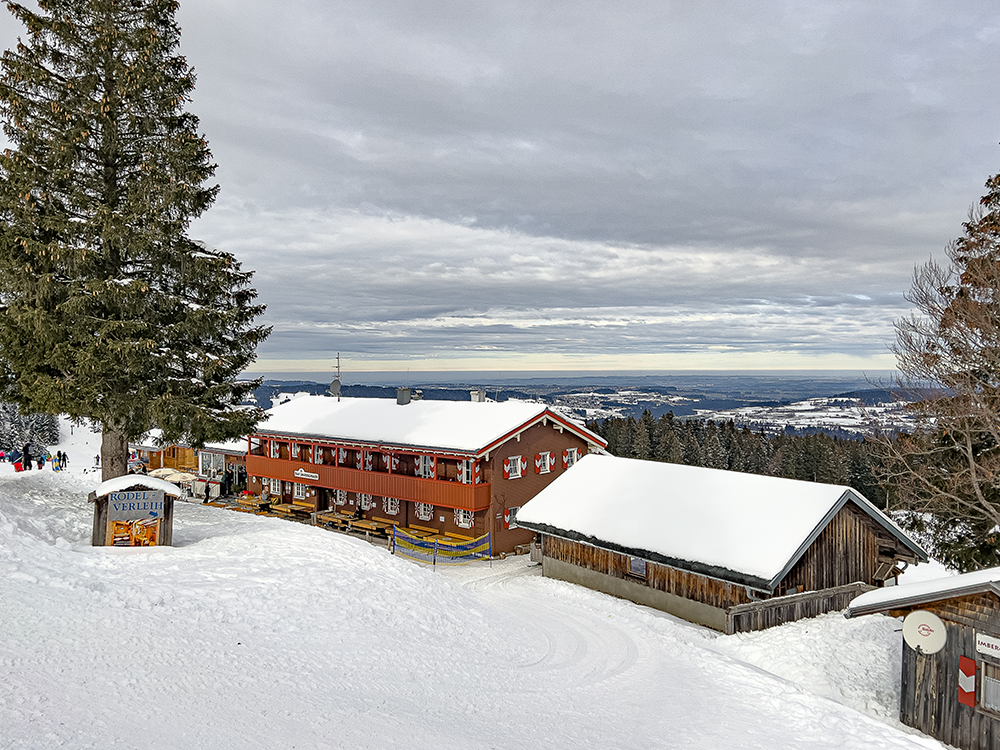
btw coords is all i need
(474, 497)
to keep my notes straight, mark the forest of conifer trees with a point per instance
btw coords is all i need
(814, 458)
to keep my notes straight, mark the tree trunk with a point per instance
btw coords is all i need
(114, 454)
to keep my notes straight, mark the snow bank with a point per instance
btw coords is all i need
(256, 632)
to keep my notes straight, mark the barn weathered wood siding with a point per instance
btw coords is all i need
(929, 689)
(847, 550)
(714, 593)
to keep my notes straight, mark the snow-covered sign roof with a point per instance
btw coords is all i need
(118, 484)
(462, 426)
(917, 594)
(744, 528)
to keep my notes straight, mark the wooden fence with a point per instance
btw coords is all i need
(781, 609)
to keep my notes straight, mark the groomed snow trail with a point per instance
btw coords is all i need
(255, 632)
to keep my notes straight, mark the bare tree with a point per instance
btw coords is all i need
(945, 476)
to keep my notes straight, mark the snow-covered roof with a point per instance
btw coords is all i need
(924, 592)
(463, 426)
(744, 528)
(136, 480)
(238, 445)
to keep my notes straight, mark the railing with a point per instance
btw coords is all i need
(474, 497)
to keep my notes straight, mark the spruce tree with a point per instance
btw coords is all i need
(108, 310)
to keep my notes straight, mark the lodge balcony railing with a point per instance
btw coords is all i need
(437, 492)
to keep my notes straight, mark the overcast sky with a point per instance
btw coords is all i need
(610, 185)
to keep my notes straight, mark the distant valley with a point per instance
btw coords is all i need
(846, 405)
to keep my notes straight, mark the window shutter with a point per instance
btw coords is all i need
(357, 460)
(395, 462)
(477, 478)
(565, 459)
(552, 460)
(524, 465)
(506, 468)
(538, 463)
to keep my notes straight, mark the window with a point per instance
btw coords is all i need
(512, 467)
(570, 456)
(318, 454)
(300, 491)
(990, 699)
(425, 512)
(340, 497)
(288, 488)
(390, 506)
(463, 518)
(295, 450)
(465, 471)
(543, 463)
(510, 518)
(425, 467)
(365, 500)
(637, 567)
(275, 487)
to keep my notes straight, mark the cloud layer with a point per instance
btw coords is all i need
(720, 184)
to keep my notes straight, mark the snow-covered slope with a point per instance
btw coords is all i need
(255, 632)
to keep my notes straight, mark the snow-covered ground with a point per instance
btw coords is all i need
(843, 414)
(255, 632)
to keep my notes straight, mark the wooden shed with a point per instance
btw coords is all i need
(954, 694)
(133, 511)
(732, 551)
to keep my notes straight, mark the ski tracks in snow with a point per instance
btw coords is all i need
(563, 639)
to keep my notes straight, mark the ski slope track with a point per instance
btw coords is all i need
(255, 632)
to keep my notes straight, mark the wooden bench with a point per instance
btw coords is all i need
(418, 533)
(428, 529)
(386, 521)
(290, 510)
(252, 501)
(371, 526)
(333, 517)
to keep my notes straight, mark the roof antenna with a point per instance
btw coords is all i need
(335, 385)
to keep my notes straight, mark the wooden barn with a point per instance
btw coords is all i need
(953, 694)
(457, 468)
(731, 551)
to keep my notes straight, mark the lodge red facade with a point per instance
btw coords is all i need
(460, 492)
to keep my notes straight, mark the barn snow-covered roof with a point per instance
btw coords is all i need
(744, 528)
(917, 594)
(463, 426)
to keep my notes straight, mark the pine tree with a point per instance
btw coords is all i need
(108, 310)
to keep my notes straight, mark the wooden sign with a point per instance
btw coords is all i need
(134, 518)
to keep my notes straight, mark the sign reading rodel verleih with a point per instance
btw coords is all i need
(135, 505)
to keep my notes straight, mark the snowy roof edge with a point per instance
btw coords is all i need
(592, 438)
(925, 597)
(703, 569)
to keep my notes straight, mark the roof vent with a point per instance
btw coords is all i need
(478, 397)
(402, 396)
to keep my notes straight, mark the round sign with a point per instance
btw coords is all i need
(924, 632)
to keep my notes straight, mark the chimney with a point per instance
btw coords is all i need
(478, 397)
(402, 396)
